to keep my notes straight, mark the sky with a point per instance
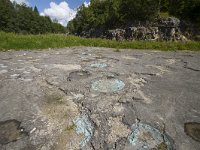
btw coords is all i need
(61, 10)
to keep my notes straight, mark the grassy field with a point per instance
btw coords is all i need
(11, 41)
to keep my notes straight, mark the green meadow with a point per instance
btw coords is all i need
(12, 41)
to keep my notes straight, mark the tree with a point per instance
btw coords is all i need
(7, 16)
(108, 14)
(141, 10)
(186, 9)
(164, 5)
(24, 19)
(36, 10)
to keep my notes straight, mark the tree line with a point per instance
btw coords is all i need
(109, 14)
(23, 19)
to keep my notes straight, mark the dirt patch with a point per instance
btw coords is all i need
(60, 111)
(53, 96)
(118, 130)
(192, 129)
(11, 131)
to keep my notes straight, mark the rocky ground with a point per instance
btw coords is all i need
(97, 98)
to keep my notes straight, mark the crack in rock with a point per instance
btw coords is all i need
(186, 65)
(192, 69)
(160, 68)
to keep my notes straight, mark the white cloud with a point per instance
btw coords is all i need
(86, 4)
(21, 1)
(60, 12)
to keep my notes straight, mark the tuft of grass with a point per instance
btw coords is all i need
(12, 41)
(161, 146)
(164, 14)
(117, 50)
(71, 127)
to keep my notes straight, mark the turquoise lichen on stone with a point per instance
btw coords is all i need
(108, 85)
(84, 126)
(146, 137)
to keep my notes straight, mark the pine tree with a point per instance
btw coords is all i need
(7, 16)
(36, 10)
(186, 9)
(23, 19)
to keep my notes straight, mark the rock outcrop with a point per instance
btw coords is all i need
(167, 29)
(163, 29)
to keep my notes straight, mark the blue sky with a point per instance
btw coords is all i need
(42, 4)
(61, 10)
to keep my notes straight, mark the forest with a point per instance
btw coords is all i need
(110, 14)
(23, 19)
(100, 14)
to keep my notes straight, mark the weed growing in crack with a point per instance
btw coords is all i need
(117, 50)
(70, 128)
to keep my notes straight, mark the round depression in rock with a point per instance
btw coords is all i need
(108, 85)
(10, 131)
(146, 137)
(77, 75)
(192, 129)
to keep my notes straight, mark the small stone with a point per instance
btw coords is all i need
(99, 65)
(15, 75)
(33, 130)
(3, 71)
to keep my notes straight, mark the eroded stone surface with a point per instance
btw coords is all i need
(118, 130)
(48, 90)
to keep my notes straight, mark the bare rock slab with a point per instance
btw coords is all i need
(95, 98)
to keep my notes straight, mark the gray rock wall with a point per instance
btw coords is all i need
(167, 29)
